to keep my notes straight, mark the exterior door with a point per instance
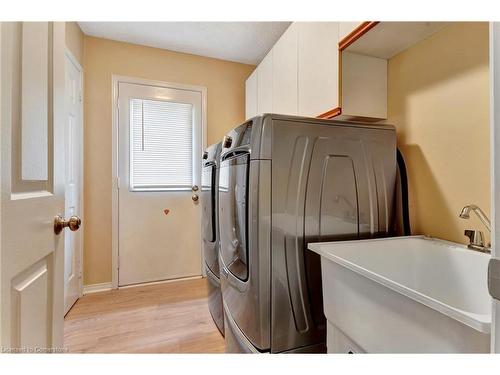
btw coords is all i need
(32, 183)
(159, 169)
(74, 167)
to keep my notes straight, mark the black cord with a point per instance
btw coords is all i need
(404, 192)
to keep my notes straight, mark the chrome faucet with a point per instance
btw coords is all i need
(476, 237)
(465, 214)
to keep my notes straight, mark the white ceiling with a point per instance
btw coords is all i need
(245, 42)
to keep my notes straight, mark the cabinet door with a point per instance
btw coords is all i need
(345, 28)
(317, 67)
(251, 95)
(285, 73)
(265, 84)
(364, 86)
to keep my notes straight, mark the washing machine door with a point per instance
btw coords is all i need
(233, 215)
(209, 213)
(244, 217)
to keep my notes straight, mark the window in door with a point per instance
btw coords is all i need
(161, 145)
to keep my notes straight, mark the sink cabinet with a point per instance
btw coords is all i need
(405, 295)
(337, 342)
(363, 316)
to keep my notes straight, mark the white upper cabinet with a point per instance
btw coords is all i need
(318, 67)
(345, 28)
(302, 75)
(251, 95)
(265, 84)
(364, 86)
(285, 73)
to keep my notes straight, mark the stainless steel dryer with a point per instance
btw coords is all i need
(284, 182)
(210, 231)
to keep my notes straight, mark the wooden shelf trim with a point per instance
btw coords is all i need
(331, 113)
(357, 33)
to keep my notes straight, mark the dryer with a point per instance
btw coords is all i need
(210, 231)
(284, 182)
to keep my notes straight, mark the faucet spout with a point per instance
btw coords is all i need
(465, 214)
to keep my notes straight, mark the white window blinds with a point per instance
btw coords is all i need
(161, 145)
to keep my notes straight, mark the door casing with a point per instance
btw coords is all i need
(116, 80)
(494, 35)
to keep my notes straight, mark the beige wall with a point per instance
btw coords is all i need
(74, 40)
(438, 97)
(225, 82)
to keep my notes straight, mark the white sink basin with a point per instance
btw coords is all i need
(406, 294)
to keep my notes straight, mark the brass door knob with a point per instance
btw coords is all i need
(60, 223)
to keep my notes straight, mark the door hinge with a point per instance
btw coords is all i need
(80, 95)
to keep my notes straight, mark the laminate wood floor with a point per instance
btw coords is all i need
(163, 318)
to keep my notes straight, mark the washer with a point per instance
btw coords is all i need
(284, 182)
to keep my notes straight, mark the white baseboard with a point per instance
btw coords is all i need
(104, 287)
(147, 283)
(95, 288)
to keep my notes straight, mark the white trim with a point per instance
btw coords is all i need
(106, 287)
(116, 79)
(96, 288)
(114, 182)
(161, 282)
(73, 60)
(494, 168)
(81, 188)
(31, 195)
(1, 126)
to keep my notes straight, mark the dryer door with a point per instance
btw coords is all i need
(209, 223)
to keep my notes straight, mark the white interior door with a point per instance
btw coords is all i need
(74, 168)
(32, 183)
(159, 163)
(495, 171)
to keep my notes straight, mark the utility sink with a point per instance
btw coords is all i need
(405, 294)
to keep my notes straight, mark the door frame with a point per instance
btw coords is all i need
(69, 55)
(116, 80)
(494, 62)
(1, 192)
